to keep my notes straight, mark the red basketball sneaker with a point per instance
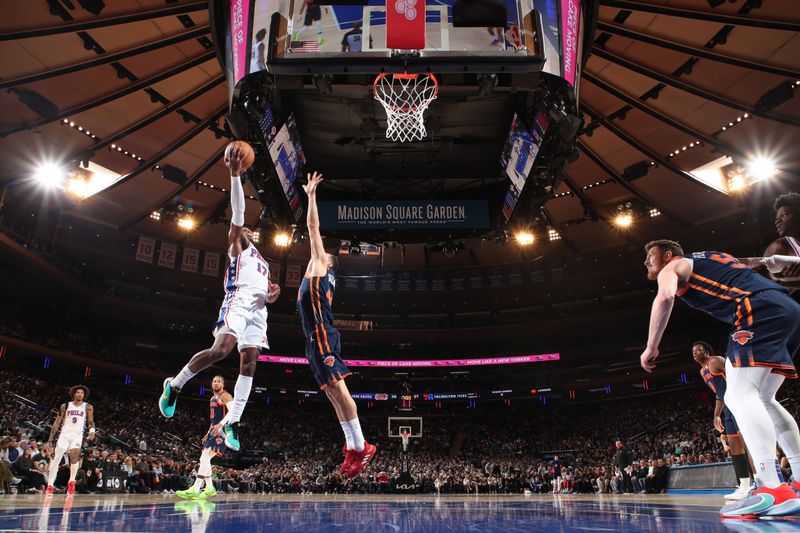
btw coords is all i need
(71, 487)
(49, 489)
(348, 460)
(362, 459)
(795, 486)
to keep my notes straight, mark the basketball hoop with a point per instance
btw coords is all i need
(405, 435)
(405, 97)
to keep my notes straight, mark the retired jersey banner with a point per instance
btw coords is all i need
(146, 249)
(167, 255)
(404, 214)
(293, 276)
(211, 264)
(275, 273)
(190, 260)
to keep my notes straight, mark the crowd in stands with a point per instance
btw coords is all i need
(499, 450)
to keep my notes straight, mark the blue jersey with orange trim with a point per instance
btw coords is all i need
(315, 303)
(218, 410)
(715, 382)
(720, 285)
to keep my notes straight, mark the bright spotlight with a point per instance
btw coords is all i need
(282, 239)
(257, 236)
(50, 175)
(186, 223)
(524, 238)
(624, 220)
(77, 188)
(761, 168)
(737, 183)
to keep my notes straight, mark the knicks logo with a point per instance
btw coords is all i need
(329, 360)
(742, 336)
(219, 440)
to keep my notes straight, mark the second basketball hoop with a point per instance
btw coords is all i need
(405, 97)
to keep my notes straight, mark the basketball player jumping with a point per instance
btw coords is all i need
(764, 337)
(71, 420)
(323, 343)
(213, 444)
(712, 370)
(242, 318)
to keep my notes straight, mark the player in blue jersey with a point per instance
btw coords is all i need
(712, 370)
(764, 337)
(242, 319)
(213, 443)
(323, 344)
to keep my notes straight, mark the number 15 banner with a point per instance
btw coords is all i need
(211, 264)
(191, 257)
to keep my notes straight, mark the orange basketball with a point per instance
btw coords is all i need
(249, 154)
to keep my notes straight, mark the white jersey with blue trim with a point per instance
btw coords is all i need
(247, 280)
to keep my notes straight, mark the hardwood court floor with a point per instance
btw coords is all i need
(376, 514)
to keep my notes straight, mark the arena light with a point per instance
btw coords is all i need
(553, 235)
(257, 236)
(50, 175)
(155, 215)
(524, 238)
(737, 183)
(78, 188)
(761, 168)
(623, 220)
(654, 212)
(186, 223)
(282, 239)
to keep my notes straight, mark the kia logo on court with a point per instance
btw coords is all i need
(742, 336)
(406, 7)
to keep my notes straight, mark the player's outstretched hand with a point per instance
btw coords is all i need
(233, 160)
(313, 182)
(648, 359)
(274, 292)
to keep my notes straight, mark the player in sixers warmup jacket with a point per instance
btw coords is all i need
(765, 335)
(323, 344)
(72, 419)
(242, 318)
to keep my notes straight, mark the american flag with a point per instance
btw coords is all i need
(305, 46)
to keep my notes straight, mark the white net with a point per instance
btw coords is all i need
(405, 97)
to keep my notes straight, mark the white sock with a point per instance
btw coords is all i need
(744, 400)
(241, 392)
(73, 471)
(198, 482)
(183, 376)
(358, 437)
(348, 434)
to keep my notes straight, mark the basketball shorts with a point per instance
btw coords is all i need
(215, 443)
(729, 423)
(69, 442)
(323, 351)
(766, 333)
(247, 324)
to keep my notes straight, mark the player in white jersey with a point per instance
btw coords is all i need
(72, 420)
(242, 318)
(782, 256)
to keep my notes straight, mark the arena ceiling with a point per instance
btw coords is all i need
(139, 85)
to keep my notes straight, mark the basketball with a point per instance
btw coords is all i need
(249, 154)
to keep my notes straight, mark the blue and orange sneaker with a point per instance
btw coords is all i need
(764, 501)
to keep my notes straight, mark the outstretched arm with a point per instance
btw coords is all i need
(659, 314)
(57, 423)
(233, 160)
(312, 222)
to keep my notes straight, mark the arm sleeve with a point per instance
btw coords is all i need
(237, 201)
(776, 263)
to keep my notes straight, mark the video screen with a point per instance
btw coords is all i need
(289, 159)
(519, 154)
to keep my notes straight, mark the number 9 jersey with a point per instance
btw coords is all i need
(244, 313)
